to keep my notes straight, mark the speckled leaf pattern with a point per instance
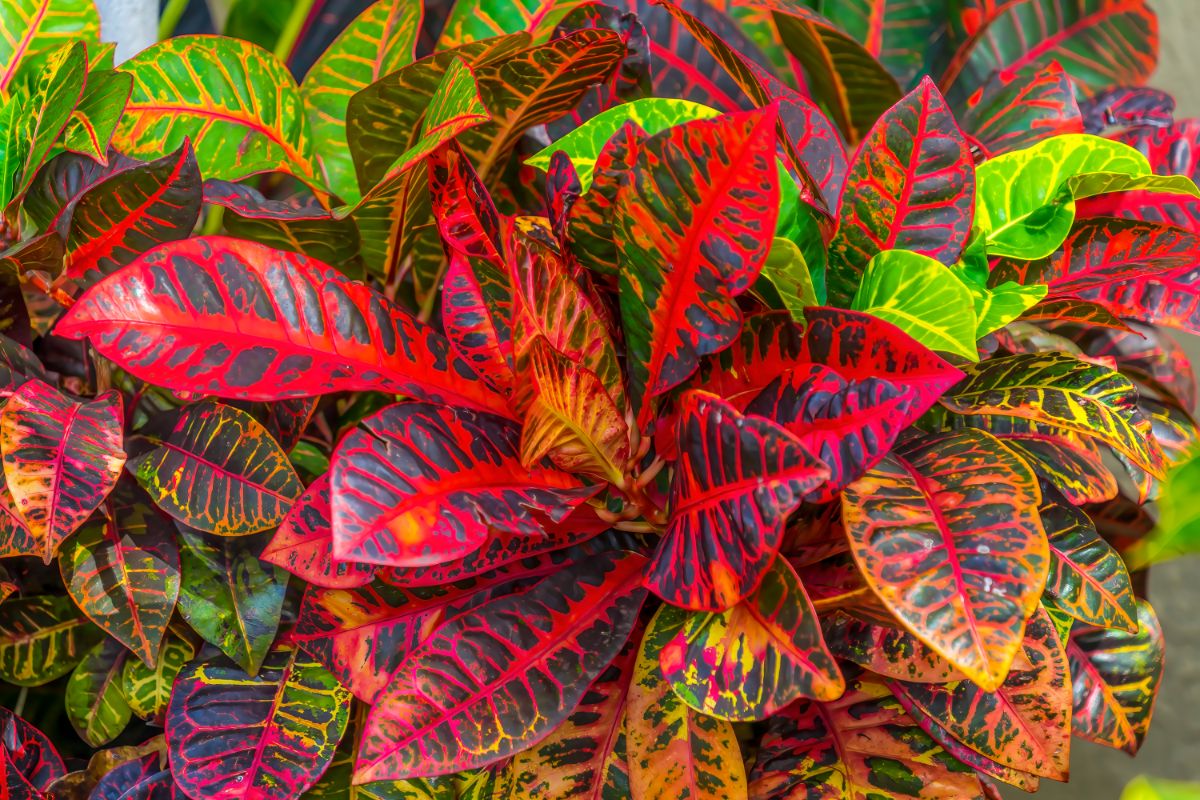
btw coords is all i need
(910, 186)
(419, 484)
(711, 220)
(29, 26)
(378, 41)
(737, 479)
(748, 662)
(1015, 110)
(1167, 299)
(61, 459)
(54, 94)
(219, 471)
(887, 651)
(1060, 390)
(674, 752)
(42, 638)
(237, 103)
(585, 757)
(861, 746)
(95, 703)
(313, 330)
(230, 597)
(1139, 107)
(1100, 43)
(573, 421)
(946, 532)
(590, 219)
(1116, 676)
(125, 776)
(1088, 579)
(900, 33)
(537, 653)
(131, 212)
(1071, 464)
(1024, 725)
(122, 570)
(147, 690)
(536, 86)
(269, 736)
(94, 121)
(303, 543)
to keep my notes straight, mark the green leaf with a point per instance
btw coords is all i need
(583, 145)
(13, 146)
(56, 92)
(33, 26)
(230, 597)
(998, 306)
(42, 638)
(95, 703)
(1025, 200)
(787, 271)
(1178, 529)
(1144, 788)
(237, 103)
(92, 124)
(377, 42)
(472, 20)
(147, 690)
(922, 297)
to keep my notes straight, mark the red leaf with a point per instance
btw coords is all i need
(303, 543)
(911, 186)
(420, 484)
(237, 319)
(1014, 111)
(736, 480)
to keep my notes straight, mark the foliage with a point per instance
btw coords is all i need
(674, 399)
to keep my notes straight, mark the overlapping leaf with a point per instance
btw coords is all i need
(1015, 110)
(30, 762)
(573, 624)
(676, 209)
(147, 690)
(277, 730)
(29, 26)
(42, 638)
(303, 544)
(911, 186)
(95, 702)
(930, 509)
(736, 480)
(420, 484)
(61, 459)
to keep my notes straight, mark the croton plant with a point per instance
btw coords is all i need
(674, 399)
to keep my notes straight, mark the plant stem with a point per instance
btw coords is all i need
(170, 18)
(212, 222)
(291, 29)
(19, 706)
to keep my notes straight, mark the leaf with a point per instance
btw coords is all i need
(862, 745)
(1023, 725)
(974, 585)
(31, 26)
(886, 651)
(673, 751)
(18, 366)
(1088, 579)
(736, 481)
(336, 335)
(748, 662)
(47, 110)
(378, 41)
(569, 629)
(1116, 677)
(159, 786)
(122, 570)
(1104, 250)
(131, 212)
(94, 121)
(1128, 105)
(277, 730)
(1012, 111)
(674, 210)
(1060, 390)
(788, 272)
(147, 690)
(584, 144)
(1146, 354)
(845, 79)
(1069, 462)
(1025, 200)
(235, 101)
(95, 703)
(420, 484)
(61, 459)
(573, 420)
(1143, 788)
(303, 544)
(1099, 43)
(896, 32)
(471, 20)
(910, 186)
(30, 762)
(219, 471)
(923, 298)
(536, 86)
(587, 753)
(42, 638)
(230, 597)
(63, 180)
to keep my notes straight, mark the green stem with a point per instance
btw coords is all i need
(212, 222)
(291, 29)
(170, 18)
(19, 708)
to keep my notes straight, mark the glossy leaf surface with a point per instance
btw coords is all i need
(95, 703)
(303, 543)
(42, 638)
(1088, 579)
